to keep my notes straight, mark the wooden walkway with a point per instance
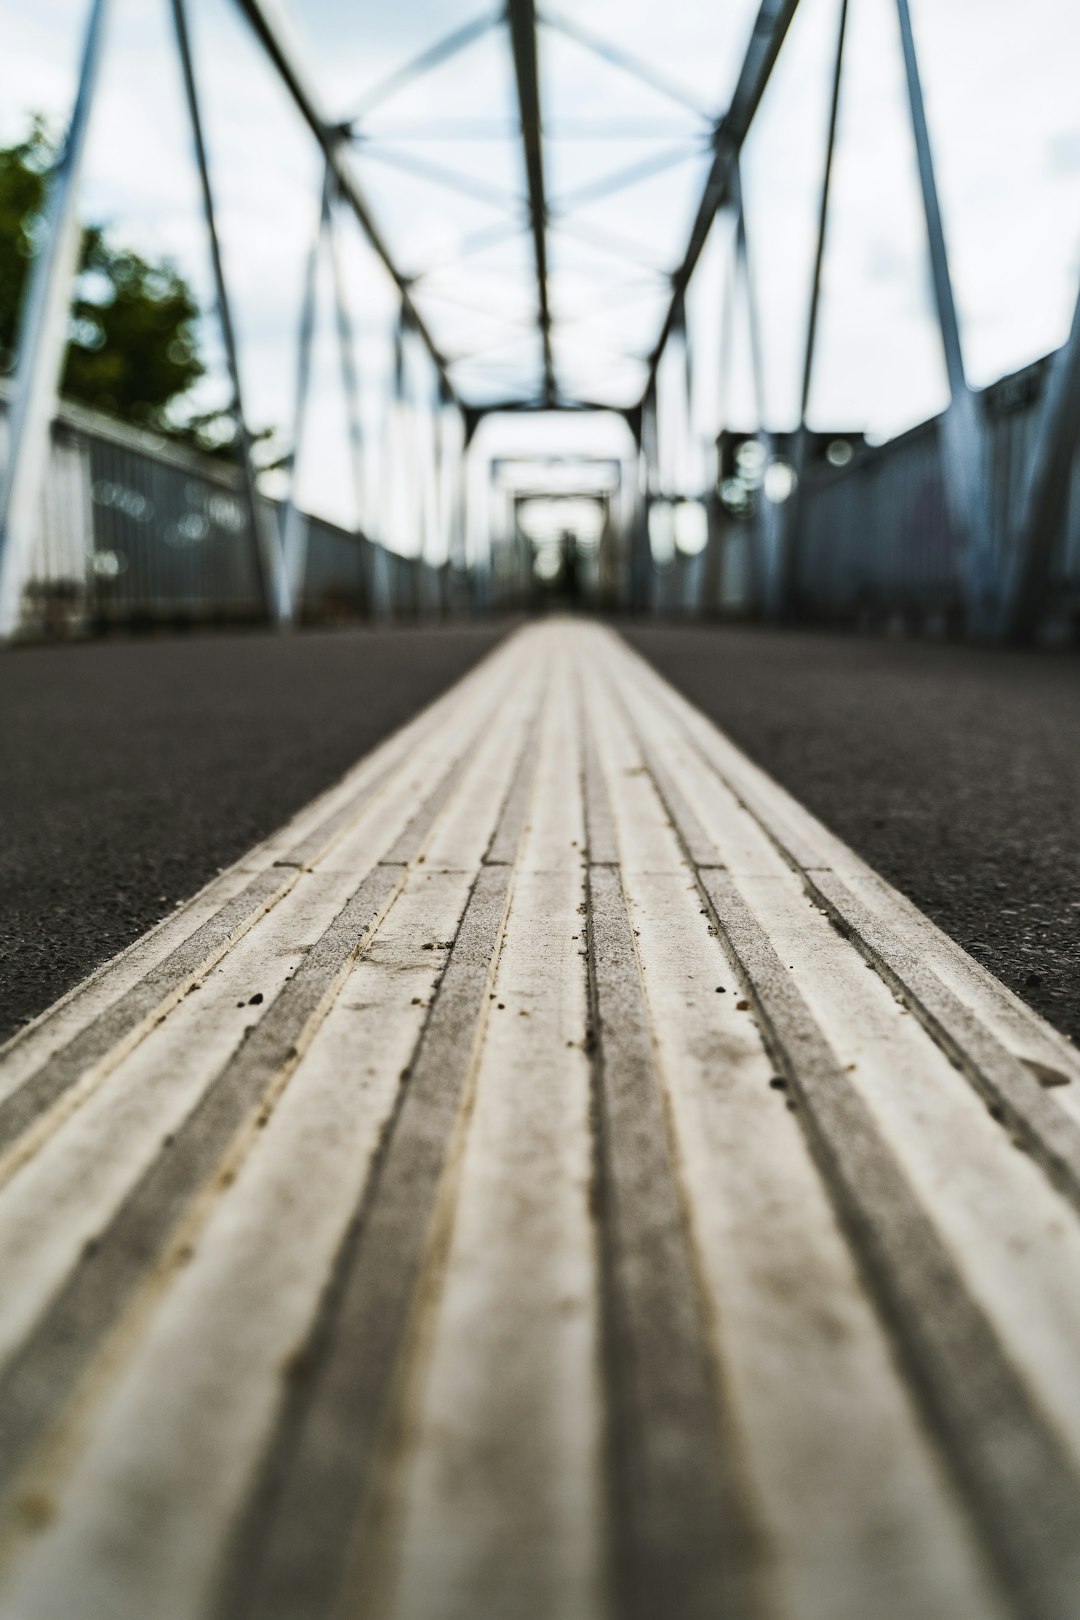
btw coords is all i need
(552, 1179)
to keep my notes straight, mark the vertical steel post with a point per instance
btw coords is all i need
(293, 521)
(696, 571)
(442, 574)
(466, 570)
(1044, 499)
(728, 290)
(642, 569)
(963, 441)
(42, 340)
(268, 555)
(766, 561)
(728, 293)
(789, 604)
(688, 386)
(350, 381)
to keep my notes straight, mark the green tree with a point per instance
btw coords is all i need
(134, 349)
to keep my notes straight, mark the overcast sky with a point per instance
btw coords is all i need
(1000, 81)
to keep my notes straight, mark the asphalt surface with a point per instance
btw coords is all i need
(133, 771)
(954, 770)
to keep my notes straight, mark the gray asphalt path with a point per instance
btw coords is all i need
(132, 771)
(954, 770)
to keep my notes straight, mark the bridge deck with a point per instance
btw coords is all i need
(553, 1177)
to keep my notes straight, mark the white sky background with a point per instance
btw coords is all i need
(1000, 81)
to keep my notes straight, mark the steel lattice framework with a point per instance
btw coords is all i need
(997, 600)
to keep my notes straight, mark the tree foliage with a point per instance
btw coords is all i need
(134, 331)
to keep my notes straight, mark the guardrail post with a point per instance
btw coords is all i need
(42, 341)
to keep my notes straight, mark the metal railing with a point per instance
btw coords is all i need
(133, 530)
(877, 539)
(971, 518)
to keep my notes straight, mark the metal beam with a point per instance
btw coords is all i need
(630, 174)
(521, 16)
(615, 56)
(434, 56)
(948, 320)
(269, 562)
(1045, 496)
(962, 436)
(293, 521)
(350, 378)
(529, 407)
(767, 554)
(493, 196)
(442, 129)
(274, 33)
(770, 29)
(476, 242)
(641, 559)
(793, 526)
(42, 341)
(638, 255)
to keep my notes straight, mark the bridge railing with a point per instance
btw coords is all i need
(133, 529)
(877, 541)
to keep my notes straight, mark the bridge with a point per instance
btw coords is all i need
(541, 1077)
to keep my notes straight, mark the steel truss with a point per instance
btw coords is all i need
(998, 598)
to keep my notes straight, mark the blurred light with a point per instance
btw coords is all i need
(750, 459)
(108, 564)
(691, 527)
(736, 496)
(839, 453)
(547, 566)
(779, 482)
